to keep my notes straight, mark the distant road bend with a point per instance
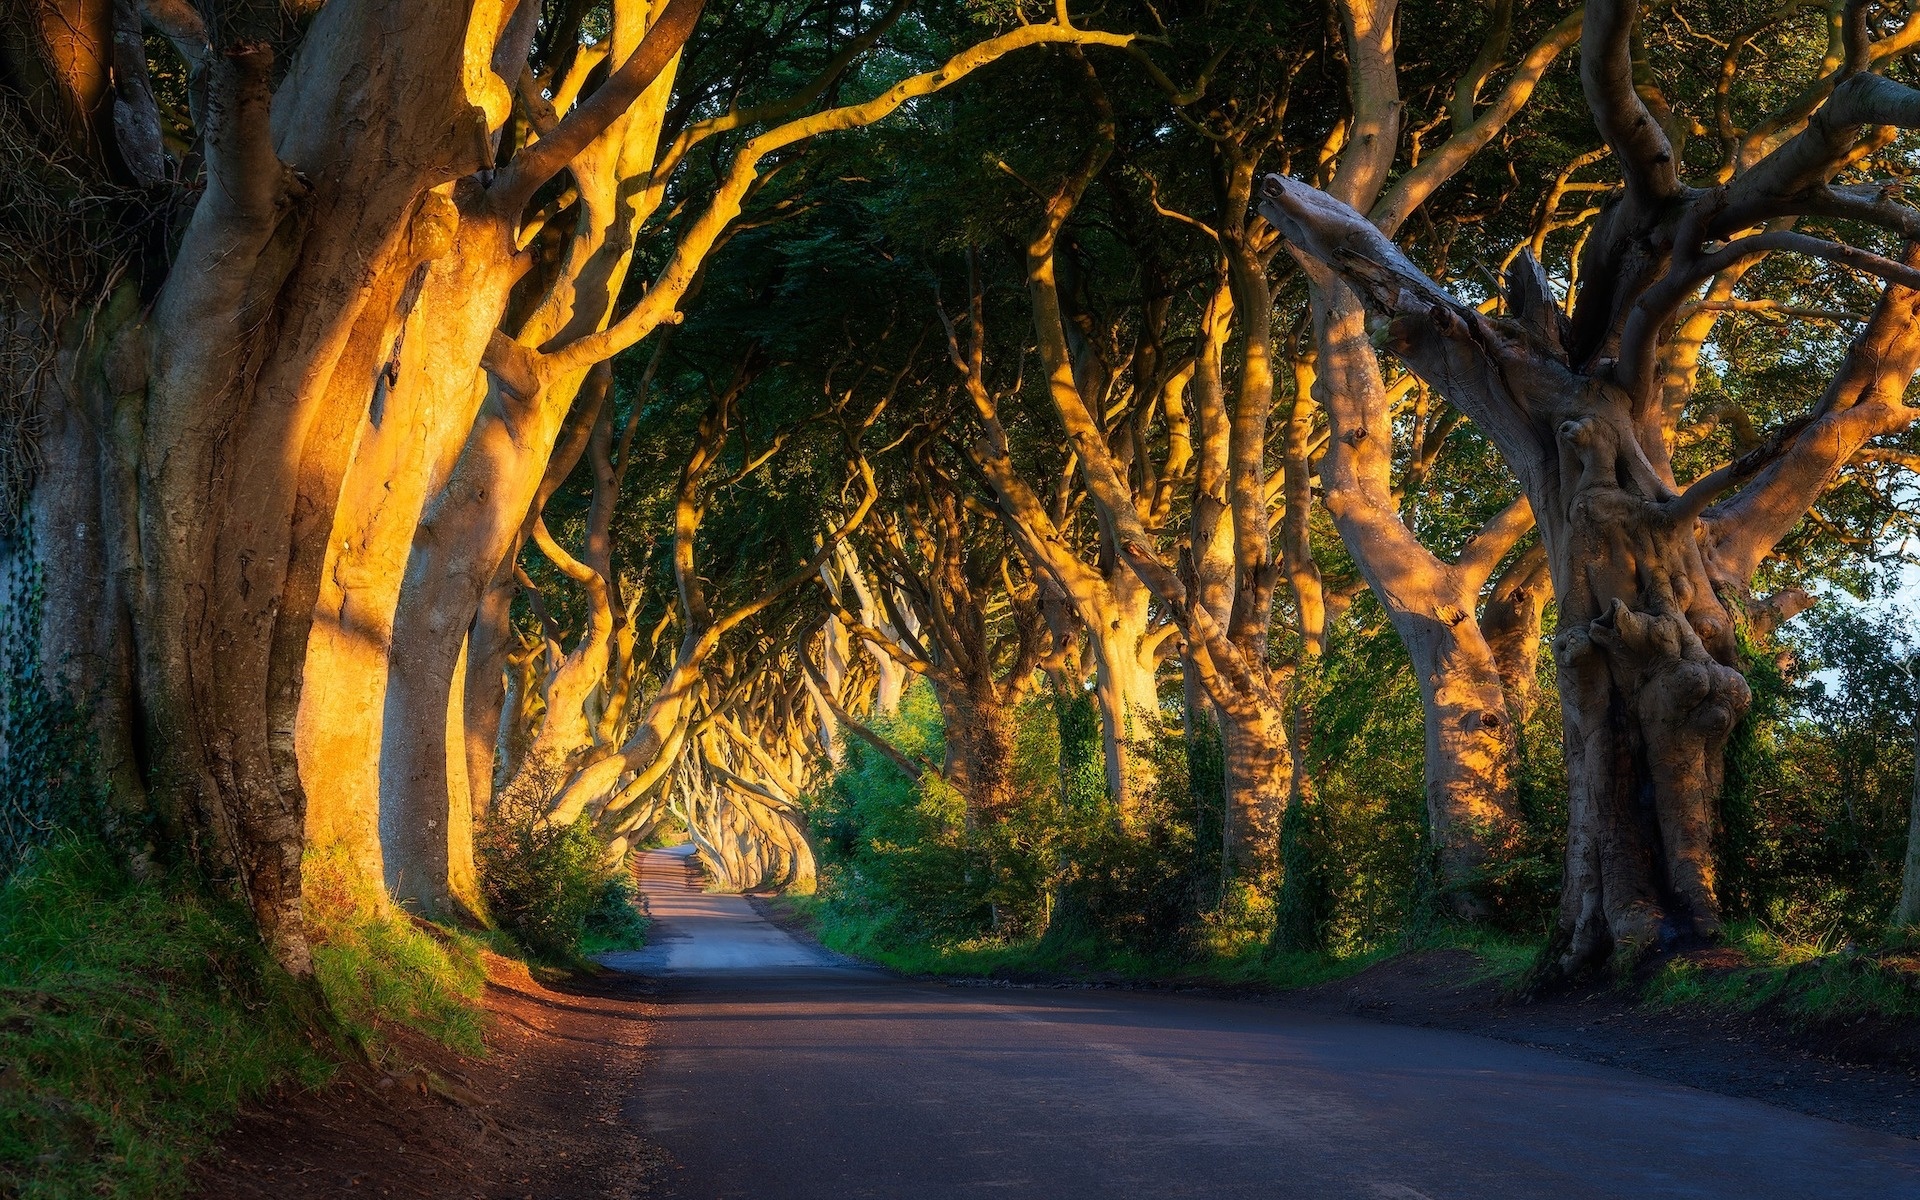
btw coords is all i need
(780, 1072)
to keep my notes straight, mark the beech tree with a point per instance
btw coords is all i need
(981, 640)
(419, 413)
(294, 443)
(1651, 576)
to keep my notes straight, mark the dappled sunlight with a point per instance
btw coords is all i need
(1409, 502)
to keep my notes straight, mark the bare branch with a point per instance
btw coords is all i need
(1470, 136)
(1501, 533)
(1811, 157)
(589, 119)
(1606, 74)
(657, 306)
(1647, 322)
(1451, 345)
(1864, 401)
(913, 768)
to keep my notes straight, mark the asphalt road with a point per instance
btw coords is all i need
(777, 1072)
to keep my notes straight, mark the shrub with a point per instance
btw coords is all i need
(615, 922)
(1820, 775)
(901, 862)
(550, 886)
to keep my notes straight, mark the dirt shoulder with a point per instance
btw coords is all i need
(541, 1117)
(1861, 1071)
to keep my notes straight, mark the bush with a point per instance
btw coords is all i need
(550, 886)
(616, 920)
(901, 866)
(1820, 776)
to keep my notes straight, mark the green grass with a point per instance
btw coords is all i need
(379, 969)
(1242, 962)
(1813, 980)
(1504, 958)
(134, 1016)
(138, 1015)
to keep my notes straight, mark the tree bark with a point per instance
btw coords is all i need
(252, 342)
(980, 740)
(1907, 914)
(488, 692)
(1513, 621)
(425, 394)
(1649, 686)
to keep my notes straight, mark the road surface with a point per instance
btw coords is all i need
(778, 1072)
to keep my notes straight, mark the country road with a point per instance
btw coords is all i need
(778, 1072)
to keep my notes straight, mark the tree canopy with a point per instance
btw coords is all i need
(1155, 468)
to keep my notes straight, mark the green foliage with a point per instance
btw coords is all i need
(1059, 873)
(897, 851)
(1306, 893)
(1206, 784)
(1061, 880)
(1820, 776)
(615, 922)
(1083, 769)
(550, 885)
(1364, 837)
(134, 1016)
(1364, 755)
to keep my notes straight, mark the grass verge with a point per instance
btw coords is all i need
(134, 1014)
(379, 969)
(1758, 969)
(1250, 965)
(137, 1015)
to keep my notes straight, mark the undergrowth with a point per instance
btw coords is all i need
(615, 921)
(1806, 979)
(551, 887)
(1062, 887)
(135, 1015)
(1502, 957)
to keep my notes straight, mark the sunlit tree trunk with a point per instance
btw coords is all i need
(1470, 761)
(423, 403)
(1513, 620)
(313, 435)
(1644, 570)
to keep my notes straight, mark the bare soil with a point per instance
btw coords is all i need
(539, 1118)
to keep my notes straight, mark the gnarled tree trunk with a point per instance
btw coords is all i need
(1648, 672)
